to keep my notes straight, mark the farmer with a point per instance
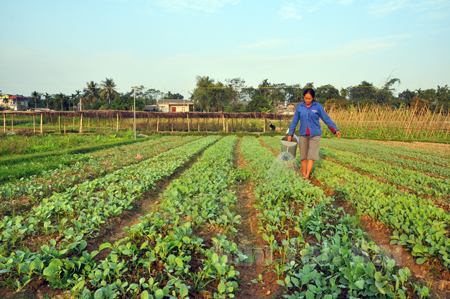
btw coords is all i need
(308, 114)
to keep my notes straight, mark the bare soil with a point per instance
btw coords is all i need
(253, 245)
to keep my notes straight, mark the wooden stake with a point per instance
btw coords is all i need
(34, 124)
(157, 125)
(172, 123)
(42, 130)
(117, 126)
(4, 123)
(223, 121)
(80, 131)
(189, 128)
(198, 124)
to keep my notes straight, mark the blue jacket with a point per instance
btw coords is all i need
(309, 117)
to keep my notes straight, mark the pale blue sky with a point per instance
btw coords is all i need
(58, 46)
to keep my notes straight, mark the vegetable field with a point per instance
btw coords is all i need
(223, 217)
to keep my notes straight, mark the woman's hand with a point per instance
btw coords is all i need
(338, 134)
(289, 138)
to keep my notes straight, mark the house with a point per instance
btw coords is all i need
(174, 105)
(14, 102)
(286, 108)
(151, 108)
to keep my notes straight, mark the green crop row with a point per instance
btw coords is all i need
(82, 209)
(17, 167)
(37, 187)
(417, 223)
(200, 200)
(51, 261)
(161, 252)
(321, 252)
(418, 182)
(419, 154)
(369, 151)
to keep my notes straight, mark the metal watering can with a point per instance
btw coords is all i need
(288, 148)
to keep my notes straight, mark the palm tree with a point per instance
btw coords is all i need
(108, 90)
(91, 92)
(47, 97)
(35, 95)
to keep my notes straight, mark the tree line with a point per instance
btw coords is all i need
(232, 95)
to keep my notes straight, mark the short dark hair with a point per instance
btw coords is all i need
(310, 91)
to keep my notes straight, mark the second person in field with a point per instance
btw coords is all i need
(308, 113)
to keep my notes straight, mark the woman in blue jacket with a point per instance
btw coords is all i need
(308, 113)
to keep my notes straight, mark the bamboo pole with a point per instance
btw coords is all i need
(34, 124)
(42, 129)
(198, 124)
(223, 122)
(189, 128)
(264, 129)
(157, 125)
(117, 126)
(171, 122)
(80, 131)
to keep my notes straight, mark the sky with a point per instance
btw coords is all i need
(59, 46)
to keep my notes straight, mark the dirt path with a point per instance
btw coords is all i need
(380, 235)
(252, 244)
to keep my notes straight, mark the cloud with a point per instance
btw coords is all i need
(431, 8)
(290, 11)
(268, 43)
(208, 6)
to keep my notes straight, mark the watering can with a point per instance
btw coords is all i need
(288, 148)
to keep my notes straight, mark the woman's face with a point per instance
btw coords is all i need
(308, 99)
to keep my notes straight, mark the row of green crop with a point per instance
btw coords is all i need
(417, 223)
(39, 186)
(321, 252)
(419, 154)
(158, 257)
(418, 182)
(367, 149)
(11, 146)
(201, 199)
(23, 166)
(81, 210)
